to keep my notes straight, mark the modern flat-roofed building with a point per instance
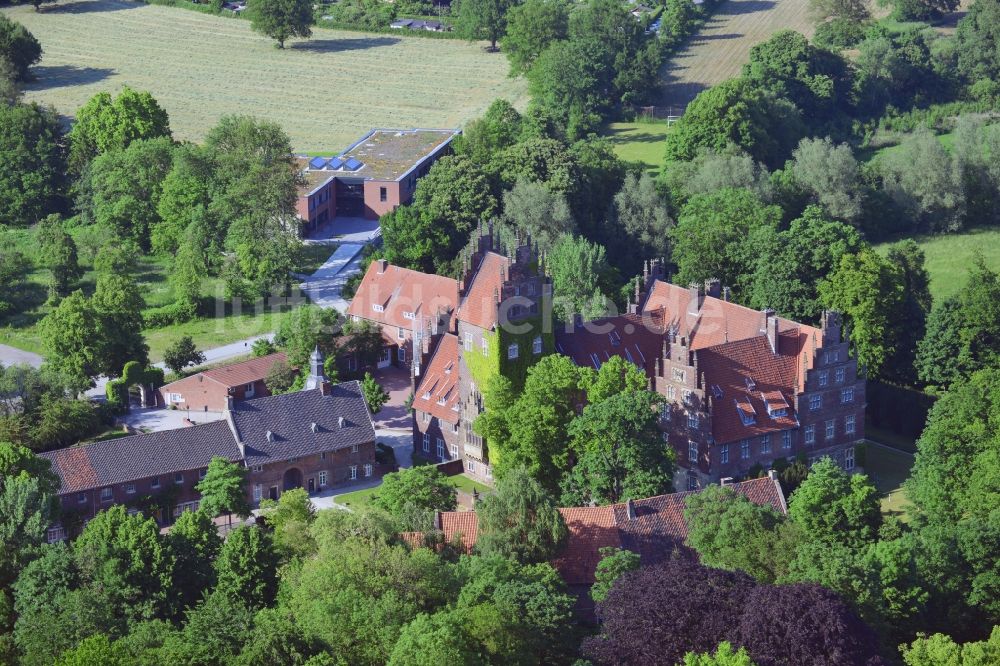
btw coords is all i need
(372, 177)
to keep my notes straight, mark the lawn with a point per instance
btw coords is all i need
(888, 468)
(326, 92)
(949, 257)
(639, 142)
(362, 498)
(20, 329)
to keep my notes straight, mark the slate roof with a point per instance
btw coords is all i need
(401, 290)
(125, 459)
(289, 418)
(437, 393)
(654, 530)
(479, 307)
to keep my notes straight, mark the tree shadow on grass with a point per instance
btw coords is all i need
(736, 7)
(617, 136)
(90, 7)
(62, 76)
(338, 45)
(715, 38)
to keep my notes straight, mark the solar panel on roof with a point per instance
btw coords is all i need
(336, 163)
(353, 164)
(317, 162)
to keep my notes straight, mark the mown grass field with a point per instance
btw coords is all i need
(950, 256)
(888, 469)
(326, 91)
(719, 51)
(639, 142)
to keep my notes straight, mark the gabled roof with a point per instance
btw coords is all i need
(437, 393)
(247, 372)
(718, 321)
(289, 418)
(651, 527)
(730, 366)
(479, 306)
(402, 293)
(115, 461)
(636, 338)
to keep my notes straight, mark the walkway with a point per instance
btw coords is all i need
(14, 356)
(324, 286)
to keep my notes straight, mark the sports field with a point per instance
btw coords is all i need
(326, 91)
(720, 49)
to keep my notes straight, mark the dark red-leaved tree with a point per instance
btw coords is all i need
(804, 625)
(657, 614)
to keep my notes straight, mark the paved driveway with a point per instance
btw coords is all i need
(324, 286)
(14, 356)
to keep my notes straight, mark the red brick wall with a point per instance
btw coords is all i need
(143, 487)
(435, 428)
(337, 465)
(374, 206)
(201, 394)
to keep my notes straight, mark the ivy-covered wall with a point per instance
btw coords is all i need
(483, 366)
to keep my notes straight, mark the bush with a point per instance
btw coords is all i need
(840, 33)
(168, 315)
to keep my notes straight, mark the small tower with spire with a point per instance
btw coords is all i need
(315, 379)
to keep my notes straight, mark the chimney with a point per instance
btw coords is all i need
(727, 294)
(381, 265)
(832, 326)
(229, 403)
(340, 421)
(773, 475)
(713, 287)
(630, 509)
(314, 427)
(270, 436)
(697, 293)
(437, 520)
(771, 329)
(726, 481)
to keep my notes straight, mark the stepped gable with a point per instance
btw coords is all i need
(635, 337)
(479, 306)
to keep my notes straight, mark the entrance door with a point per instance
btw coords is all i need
(385, 358)
(312, 485)
(293, 478)
(273, 492)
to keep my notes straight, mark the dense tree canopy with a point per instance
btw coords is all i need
(281, 19)
(519, 520)
(18, 47)
(105, 123)
(32, 163)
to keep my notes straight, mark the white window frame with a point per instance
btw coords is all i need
(354, 472)
(453, 450)
(786, 439)
(839, 375)
(671, 393)
(744, 449)
(815, 402)
(810, 434)
(107, 494)
(258, 492)
(467, 343)
(536, 345)
(693, 421)
(678, 375)
(824, 377)
(830, 431)
(692, 451)
(439, 448)
(849, 424)
(400, 333)
(849, 458)
(368, 470)
(513, 351)
(847, 395)
(130, 488)
(178, 478)
(724, 454)
(471, 464)
(378, 308)
(765, 443)
(322, 478)
(485, 347)
(249, 391)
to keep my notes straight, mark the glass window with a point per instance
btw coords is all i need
(258, 491)
(486, 347)
(671, 393)
(810, 434)
(724, 454)
(322, 479)
(692, 451)
(512, 351)
(106, 494)
(354, 472)
(467, 343)
(849, 458)
(355, 447)
(815, 402)
(536, 345)
(130, 488)
(202, 473)
(453, 450)
(427, 442)
(839, 375)
(472, 466)
(178, 478)
(693, 421)
(81, 498)
(440, 448)
(678, 375)
(155, 483)
(830, 429)
(400, 333)
(744, 449)
(786, 439)
(847, 395)
(824, 378)
(765, 443)
(665, 411)
(849, 424)
(368, 469)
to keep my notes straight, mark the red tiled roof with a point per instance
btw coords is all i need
(655, 528)
(479, 307)
(437, 393)
(246, 372)
(464, 523)
(400, 292)
(74, 469)
(590, 530)
(730, 366)
(716, 323)
(636, 338)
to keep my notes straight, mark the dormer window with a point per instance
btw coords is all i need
(751, 385)
(377, 308)
(777, 406)
(409, 315)
(716, 391)
(748, 415)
